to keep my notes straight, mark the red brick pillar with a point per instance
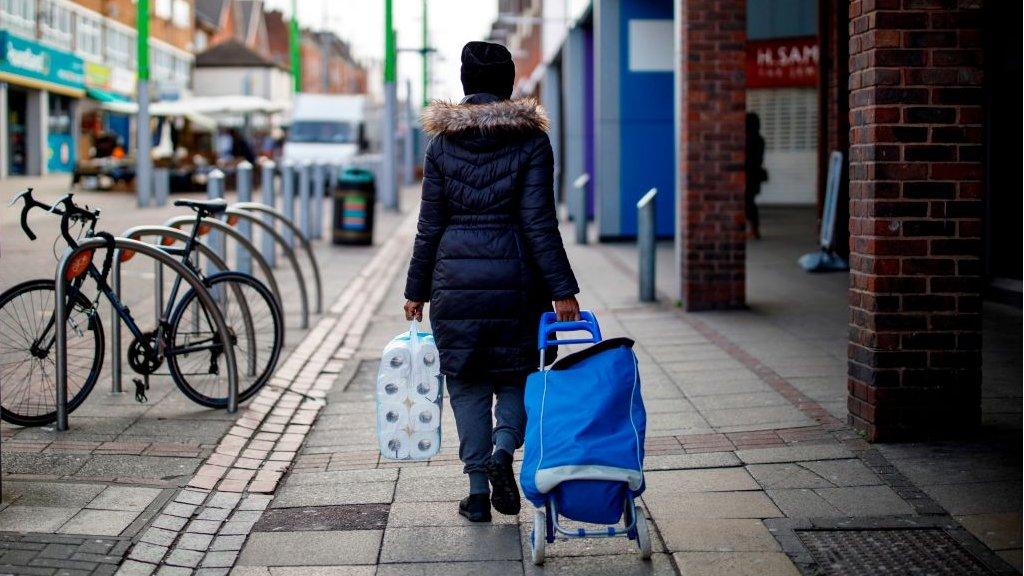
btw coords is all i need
(712, 104)
(915, 217)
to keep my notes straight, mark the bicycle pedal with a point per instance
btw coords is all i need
(140, 390)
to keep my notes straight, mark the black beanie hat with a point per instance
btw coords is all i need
(487, 67)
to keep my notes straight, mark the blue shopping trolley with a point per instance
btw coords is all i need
(584, 449)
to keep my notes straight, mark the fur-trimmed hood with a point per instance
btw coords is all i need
(489, 116)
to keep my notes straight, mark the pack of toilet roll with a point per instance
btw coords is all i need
(410, 390)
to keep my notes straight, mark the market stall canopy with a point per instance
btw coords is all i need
(198, 119)
(221, 105)
(203, 105)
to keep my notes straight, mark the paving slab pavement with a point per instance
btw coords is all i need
(719, 488)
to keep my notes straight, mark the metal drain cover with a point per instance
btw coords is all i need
(917, 552)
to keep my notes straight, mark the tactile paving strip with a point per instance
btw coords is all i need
(903, 552)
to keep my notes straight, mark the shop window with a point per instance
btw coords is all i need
(55, 23)
(89, 36)
(19, 16)
(789, 125)
(59, 122)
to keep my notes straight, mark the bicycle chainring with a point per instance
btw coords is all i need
(145, 360)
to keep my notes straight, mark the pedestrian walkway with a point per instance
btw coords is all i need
(748, 472)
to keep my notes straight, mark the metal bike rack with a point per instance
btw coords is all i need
(234, 234)
(137, 233)
(264, 209)
(268, 229)
(60, 311)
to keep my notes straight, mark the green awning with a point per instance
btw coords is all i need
(105, 96)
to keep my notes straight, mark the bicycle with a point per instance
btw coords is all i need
(184, 335)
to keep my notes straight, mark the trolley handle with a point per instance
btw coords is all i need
(549, 326)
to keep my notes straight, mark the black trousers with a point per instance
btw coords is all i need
(483, 423)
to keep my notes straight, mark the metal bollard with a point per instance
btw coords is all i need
(645, 220)
(243, 182)
(317, 212)
(288, 198)
(579, 207)
(215, 189)
(269, 249)
(305, 196)
(161, 185)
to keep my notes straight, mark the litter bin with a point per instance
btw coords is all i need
(354, 198)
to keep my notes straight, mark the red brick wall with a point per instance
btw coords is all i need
(915, 216)
(712, 91)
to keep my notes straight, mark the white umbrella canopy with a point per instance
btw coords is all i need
(201, 106)
(218, 105)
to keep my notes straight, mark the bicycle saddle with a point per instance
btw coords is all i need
(204, 207)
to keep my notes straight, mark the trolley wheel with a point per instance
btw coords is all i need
(538, 538)
(643, 534)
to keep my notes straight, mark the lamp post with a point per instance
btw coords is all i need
(143, 160)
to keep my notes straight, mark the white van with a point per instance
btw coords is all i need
(326, 127)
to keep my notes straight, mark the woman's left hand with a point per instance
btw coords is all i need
(413, 309)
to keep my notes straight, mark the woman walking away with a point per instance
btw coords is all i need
(755, 172)
(489, 258)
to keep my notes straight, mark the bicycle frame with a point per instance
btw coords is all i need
(136, 233)
(184, 274)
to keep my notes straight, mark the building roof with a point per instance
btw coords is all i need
(232, 53)
(247, 9)
(209, 12)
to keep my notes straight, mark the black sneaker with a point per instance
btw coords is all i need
(504, 490)
(476, 508)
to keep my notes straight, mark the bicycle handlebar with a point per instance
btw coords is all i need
(69, 213)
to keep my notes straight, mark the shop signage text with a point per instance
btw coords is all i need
(20, 57)
(782, 62)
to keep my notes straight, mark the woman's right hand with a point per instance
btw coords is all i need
(413, 310)
(567, 309)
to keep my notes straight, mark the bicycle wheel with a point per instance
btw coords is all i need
(194, 352)
(28, 383)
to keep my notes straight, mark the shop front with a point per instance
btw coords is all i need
(104, 85)
(104, 129)
(782, 80)
(39, 91)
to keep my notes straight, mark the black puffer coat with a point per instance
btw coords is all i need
(488, 255)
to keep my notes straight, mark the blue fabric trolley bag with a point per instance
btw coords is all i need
(584, 450)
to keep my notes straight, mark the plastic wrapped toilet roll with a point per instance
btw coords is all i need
(423, 445)
(409, 391)
(393, 416)
(428, 358)
(395, 445)
(425, 387)
(396, 360)
(424, 416)
(392, 387)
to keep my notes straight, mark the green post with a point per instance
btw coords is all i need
(142, 39)
(143, 134)
(390, 52)
(294, 45)
(426, 59)
(389, 168)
